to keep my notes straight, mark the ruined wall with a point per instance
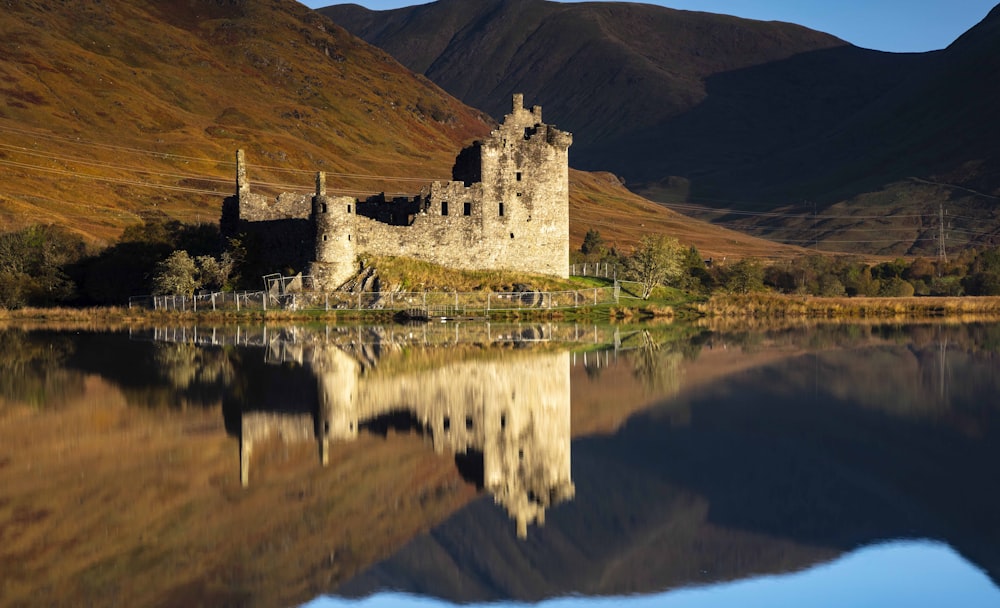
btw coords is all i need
(507, 210)
(278, 231)
(515, 217)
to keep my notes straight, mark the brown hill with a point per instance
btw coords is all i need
(733, 114)
(118, 112)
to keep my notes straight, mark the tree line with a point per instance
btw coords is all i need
(50, 266)
(661, 260)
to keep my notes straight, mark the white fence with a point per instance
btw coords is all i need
(431, 304)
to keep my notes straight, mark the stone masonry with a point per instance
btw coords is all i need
(507, 208)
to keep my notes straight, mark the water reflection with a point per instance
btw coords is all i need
(373, 457)
(506, 419)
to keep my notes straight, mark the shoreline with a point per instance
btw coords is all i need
(753, 308)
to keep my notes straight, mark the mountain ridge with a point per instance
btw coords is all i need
(117, 113)
(734, 114)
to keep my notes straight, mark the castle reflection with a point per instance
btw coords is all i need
(496, 398)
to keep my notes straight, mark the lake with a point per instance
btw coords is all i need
(474, 463)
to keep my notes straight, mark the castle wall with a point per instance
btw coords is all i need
(507, 210)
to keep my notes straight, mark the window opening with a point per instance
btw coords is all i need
(444, 207)
(501, 209)
(467, 209)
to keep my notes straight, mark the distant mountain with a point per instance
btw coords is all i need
(116, 112)
(731, 113)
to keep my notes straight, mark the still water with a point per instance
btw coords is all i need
(565, 465)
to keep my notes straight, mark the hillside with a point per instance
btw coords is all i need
(101, 99)
(118, 112)
(733, 114)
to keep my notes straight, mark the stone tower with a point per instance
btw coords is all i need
(336, 248)
(524, 170)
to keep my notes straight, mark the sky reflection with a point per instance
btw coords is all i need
(899, 573)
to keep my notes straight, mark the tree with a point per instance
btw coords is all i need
(178, 274)
(593, 243)
(33, 264)
(657, 259)
(745, 276)
(215, 273)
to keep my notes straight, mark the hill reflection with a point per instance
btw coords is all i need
(697, 457)
(889, 434)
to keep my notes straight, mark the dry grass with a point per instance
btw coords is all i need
(407, 274)
(779, 306)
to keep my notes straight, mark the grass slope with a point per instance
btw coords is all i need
(100, 101)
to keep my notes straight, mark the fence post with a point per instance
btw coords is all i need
(595, 296)
(326, 303)
(263, 300)
(237, 302)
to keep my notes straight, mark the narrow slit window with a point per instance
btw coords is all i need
(325, 236)
(348, 208)
(501, 209)
(517, 176)
(467, 209)
(348, 237)
(511, 235)
(444, 207)
(322, 208)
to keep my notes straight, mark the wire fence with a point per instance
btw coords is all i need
(417, 304)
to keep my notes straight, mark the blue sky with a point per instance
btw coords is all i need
(886, 25)
(915, 574)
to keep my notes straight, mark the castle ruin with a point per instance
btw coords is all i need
(506, 208)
